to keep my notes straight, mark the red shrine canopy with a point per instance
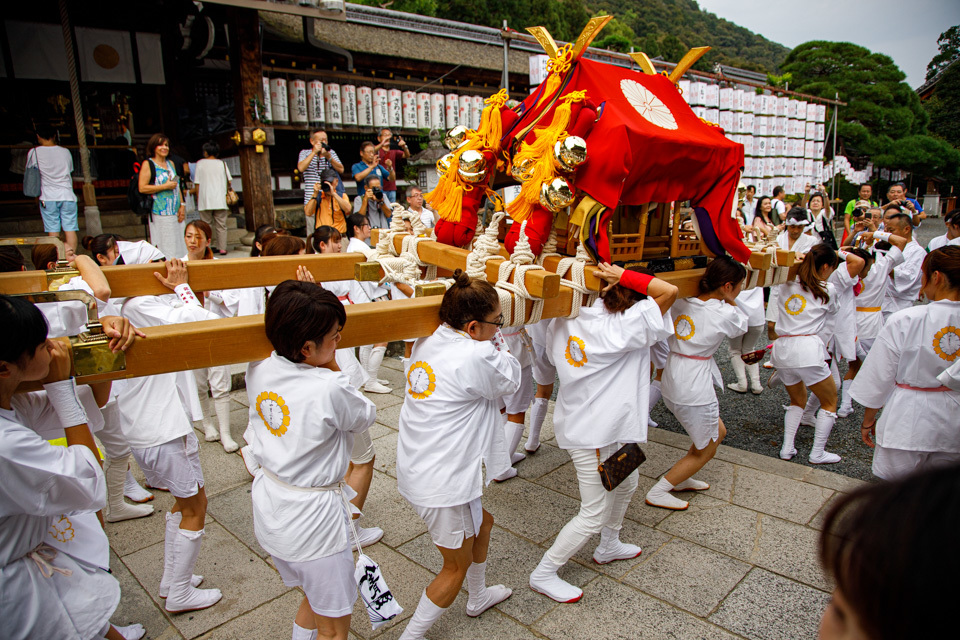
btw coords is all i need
(648, 146)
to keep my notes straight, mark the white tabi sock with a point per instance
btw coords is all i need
(424, 617)
(791, 424)
(538, 413)
(299, 633)
(482, 597)
(655, 394)
(846, 402)
(659, 496)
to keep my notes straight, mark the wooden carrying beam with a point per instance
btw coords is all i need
(205, 275)
(541, 284)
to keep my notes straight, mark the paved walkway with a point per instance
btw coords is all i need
(740, 563)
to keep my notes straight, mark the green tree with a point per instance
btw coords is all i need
(883, 119)
(944, 106)
(949, 43)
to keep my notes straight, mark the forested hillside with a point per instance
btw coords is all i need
(666, 28)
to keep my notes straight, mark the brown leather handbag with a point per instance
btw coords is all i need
(621, 464)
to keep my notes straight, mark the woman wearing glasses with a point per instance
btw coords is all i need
(450, 423)
(603, 362)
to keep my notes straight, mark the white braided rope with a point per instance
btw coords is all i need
(549, 247)
(486, 246)
(521, 261)
(578, 281)
(385, 242)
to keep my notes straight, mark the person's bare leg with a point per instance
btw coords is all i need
(443, 590)
(680, 475)
(71, 239)
(305, 617)
(359, 477)
(194, 510)
(332, 628)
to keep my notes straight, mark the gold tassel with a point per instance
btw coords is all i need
(557, 67)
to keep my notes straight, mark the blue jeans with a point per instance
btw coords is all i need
(57, 214)
(391, 196)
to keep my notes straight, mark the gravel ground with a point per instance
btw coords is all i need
(755, 423)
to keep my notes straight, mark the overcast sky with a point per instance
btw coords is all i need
(905, 30)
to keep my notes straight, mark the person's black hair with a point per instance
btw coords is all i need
(300, 311)
(777, 191)
(620, 298)
(758, 213)
(864, 184)
(809, 273)
(798, 213)
(46, 132)
(258, 235)
(42, 255)
(467, 300)
(902, 591)
(370, 178)
(946, 260)
(867, 257)
(720, 271)
(211, 148)
(901, 217)
(365, 144)
(23, 326)
(313, 132)
(355, 221)
(329, 175)
(99, 245)
(11, 259)
(282, 245)
(324, 233)
(752, 186)
(899, 184)
(952, 217)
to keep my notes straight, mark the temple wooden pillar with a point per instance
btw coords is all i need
(247, 69)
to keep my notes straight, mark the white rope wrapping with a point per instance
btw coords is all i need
(521, 261)
(486, 246)
(578, 281)
(549, 247)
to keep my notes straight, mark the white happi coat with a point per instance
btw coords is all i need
(302, 423)
(915, 346)
(520, 344)
(803, 244)
(41, 483)
(751, 304)
(603, 363)
(373, 289)
(904, 289)
(349, 292)
(802, 319)
(450, 420)
(157, 409)
(874, 288)
(699, 328)
(840, 330)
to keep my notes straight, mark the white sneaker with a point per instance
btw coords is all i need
(374, 386)
(368, 535)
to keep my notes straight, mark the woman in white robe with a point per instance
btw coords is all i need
(304, 415)
(792, 238)
(904, 374)
(700, 324)
(868, 302)
(603, 361)
(800, 355)
(449, 424)
(46, 592)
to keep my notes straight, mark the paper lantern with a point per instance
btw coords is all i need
(381, 110)
(278, 96)
(684, 86)
(737, 100)
(297, 101)
(452, 110)
(423, 111)
(409, 101)
(437, 112)
(476, 111)
(332, 103)
(463, 110)
(749, 101)
(395, 108)
(348, 104)
(365, 106)
(267, 110)
(711, 96)
(726, 99)
(315, 110)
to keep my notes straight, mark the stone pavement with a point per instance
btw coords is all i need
(740, 563)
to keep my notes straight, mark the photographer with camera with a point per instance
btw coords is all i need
(897, 198)
(311, 164)
(863, 202)
(327, 206)
(391, 150)
(373, 203)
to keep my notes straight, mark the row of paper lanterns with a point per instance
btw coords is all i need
(329, 103)
(705, 94)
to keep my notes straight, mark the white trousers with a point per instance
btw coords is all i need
(599, 508)
(216, 379)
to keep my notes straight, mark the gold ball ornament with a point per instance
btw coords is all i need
(455, 137)
(519, 171)
(556, 194)
(444, 163)
(472, 168)
(570, 153)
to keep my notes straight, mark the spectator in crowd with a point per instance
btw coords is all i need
(749, 203)
(863, 200)
(169, 213)
(312, 162)
(369, 165)
(779, 212)
(897, 197)
(952, 236)
(58, 202)
(416, 206)
(390, 158)
(212, 178)
(328, 206)
(372, 203)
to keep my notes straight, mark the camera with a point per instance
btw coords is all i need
(325, 146)
(859, 212)
(378, 193)
(325, 187)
